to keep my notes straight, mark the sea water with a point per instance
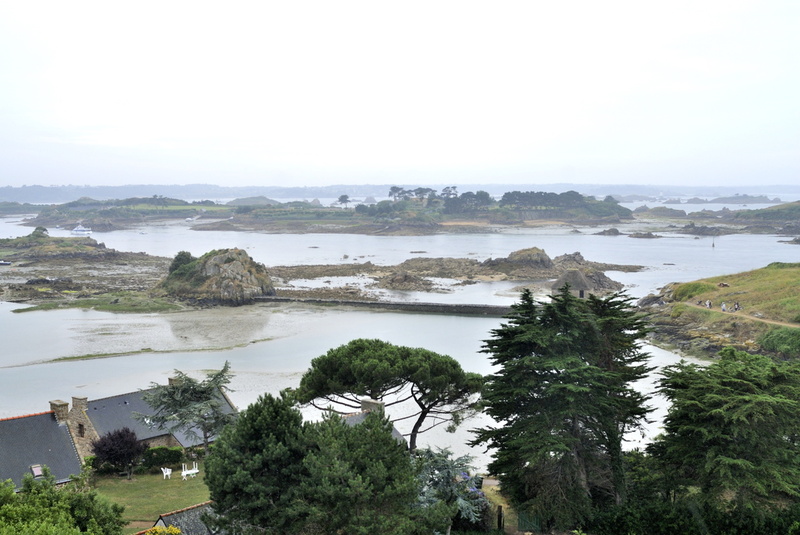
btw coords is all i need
(290, 337)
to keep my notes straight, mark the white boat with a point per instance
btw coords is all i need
(80, 230)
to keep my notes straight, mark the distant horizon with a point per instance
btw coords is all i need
(590, 185)
(67, 193)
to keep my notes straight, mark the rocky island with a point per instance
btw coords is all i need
(83, 272)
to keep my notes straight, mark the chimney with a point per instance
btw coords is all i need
(175, 381)
(61, 410)
(371, 405)
(80, 404)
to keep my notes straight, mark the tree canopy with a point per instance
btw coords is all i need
(181, 259)
(191, 406)
(563, 399)
(41, 508)
(270, 472)
(732, 430)
(442, 392)
(448, 490)
(119, 448)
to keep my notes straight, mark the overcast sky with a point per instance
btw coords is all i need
(429, 92)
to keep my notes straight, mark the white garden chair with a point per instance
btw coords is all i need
(187, 472)
(167, 473)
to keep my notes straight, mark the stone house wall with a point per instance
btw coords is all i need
(81, 427)
(168, 441)
(83, 431)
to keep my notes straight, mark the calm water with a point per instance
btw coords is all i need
(672, 258)
(296, 336)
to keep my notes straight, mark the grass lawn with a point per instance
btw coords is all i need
(492, 491)
(148, 495)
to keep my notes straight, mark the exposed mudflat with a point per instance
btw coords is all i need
(33, 279)
(80, 276)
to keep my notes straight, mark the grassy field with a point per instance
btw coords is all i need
(771, 293)
(147, 496)
(768, 320)
(120, 302)
(496, 499)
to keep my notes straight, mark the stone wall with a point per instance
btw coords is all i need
(423, 308)
(80, 427)
(83, 431)
(168, 441)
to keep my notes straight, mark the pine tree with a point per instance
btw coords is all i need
(732, 430)
(619, 329)
(194, 407)
(563, 399)
(360, 480)
(271, 473)
(256, 466)
(442, 391)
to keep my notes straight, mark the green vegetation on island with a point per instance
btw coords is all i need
(757, 311)
(227, 276)
(407, 211)
(67, 257)
(414, 211)
(119, 213)
(789, 211)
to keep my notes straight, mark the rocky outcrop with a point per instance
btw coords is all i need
(644, 235)
(525, 263)
(421, 274)
(613, 231)
(235, 278)
(532, 257)
(405, 281)
(225, 277)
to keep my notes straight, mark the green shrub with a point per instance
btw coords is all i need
(783, 340)
(783, 265)
(103, 468)
(688, 290)
(689, 518)
(162, 456)
(185, 278)
(181, 259)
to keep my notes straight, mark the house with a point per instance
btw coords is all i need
(28, 443)
(367, 406)
(62, 437)
(579, 285)
(89, 420)
(189, 520)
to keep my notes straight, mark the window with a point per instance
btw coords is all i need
(81, 430)
(36, 470)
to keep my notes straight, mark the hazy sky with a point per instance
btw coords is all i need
(412, 92)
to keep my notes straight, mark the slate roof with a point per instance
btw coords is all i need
(115, 412)
(36, 439)
(357, 418)
(188, 520)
